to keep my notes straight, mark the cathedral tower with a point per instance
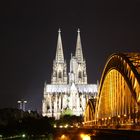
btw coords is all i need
(59, 75)
(78, 73)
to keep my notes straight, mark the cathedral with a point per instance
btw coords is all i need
(68, 90)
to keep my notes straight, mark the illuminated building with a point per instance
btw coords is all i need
(67, 90)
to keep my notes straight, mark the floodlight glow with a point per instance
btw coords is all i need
(66, 126)
(19, 101)
(54, 126)
(23, 135)
(25, 101)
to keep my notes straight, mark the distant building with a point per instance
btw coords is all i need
(67, 90)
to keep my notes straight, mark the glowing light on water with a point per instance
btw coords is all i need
(85, 137)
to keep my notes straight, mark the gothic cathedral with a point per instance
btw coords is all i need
(68, 91)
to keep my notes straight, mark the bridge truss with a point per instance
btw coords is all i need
(118, 101)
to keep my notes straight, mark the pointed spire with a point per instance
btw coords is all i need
(78, 52)
(59, 51)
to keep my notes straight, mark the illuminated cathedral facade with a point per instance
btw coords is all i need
(68, 90)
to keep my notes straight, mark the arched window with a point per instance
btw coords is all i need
(59, 75)
(80, 74)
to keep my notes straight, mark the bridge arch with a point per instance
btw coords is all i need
(89, 114)
(119, 91)
(118, 99)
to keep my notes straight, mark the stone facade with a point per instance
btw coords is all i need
(67, 90)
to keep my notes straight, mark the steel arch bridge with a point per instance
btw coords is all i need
(118, 101)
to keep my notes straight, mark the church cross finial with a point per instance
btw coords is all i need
(78, 30)
(59, 31)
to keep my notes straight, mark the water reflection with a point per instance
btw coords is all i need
(83, 136)
(76, 137)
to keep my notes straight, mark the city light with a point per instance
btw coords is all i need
(60, 126)
(124, 115)
(66, 126)
(118, 116)
(64, 137)
(81, 135)
(23, 135)
(54, 126)
(85, 137)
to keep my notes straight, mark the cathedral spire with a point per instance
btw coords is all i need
(59, 51)
(78, 52)
(59, 74)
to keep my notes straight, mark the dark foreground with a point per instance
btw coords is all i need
(98, 134)
(84, 134)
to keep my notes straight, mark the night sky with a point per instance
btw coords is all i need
(28, 38)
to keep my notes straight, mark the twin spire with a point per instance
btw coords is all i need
(59, 51)
(78, 52)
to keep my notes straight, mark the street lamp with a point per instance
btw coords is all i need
(22, 104)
